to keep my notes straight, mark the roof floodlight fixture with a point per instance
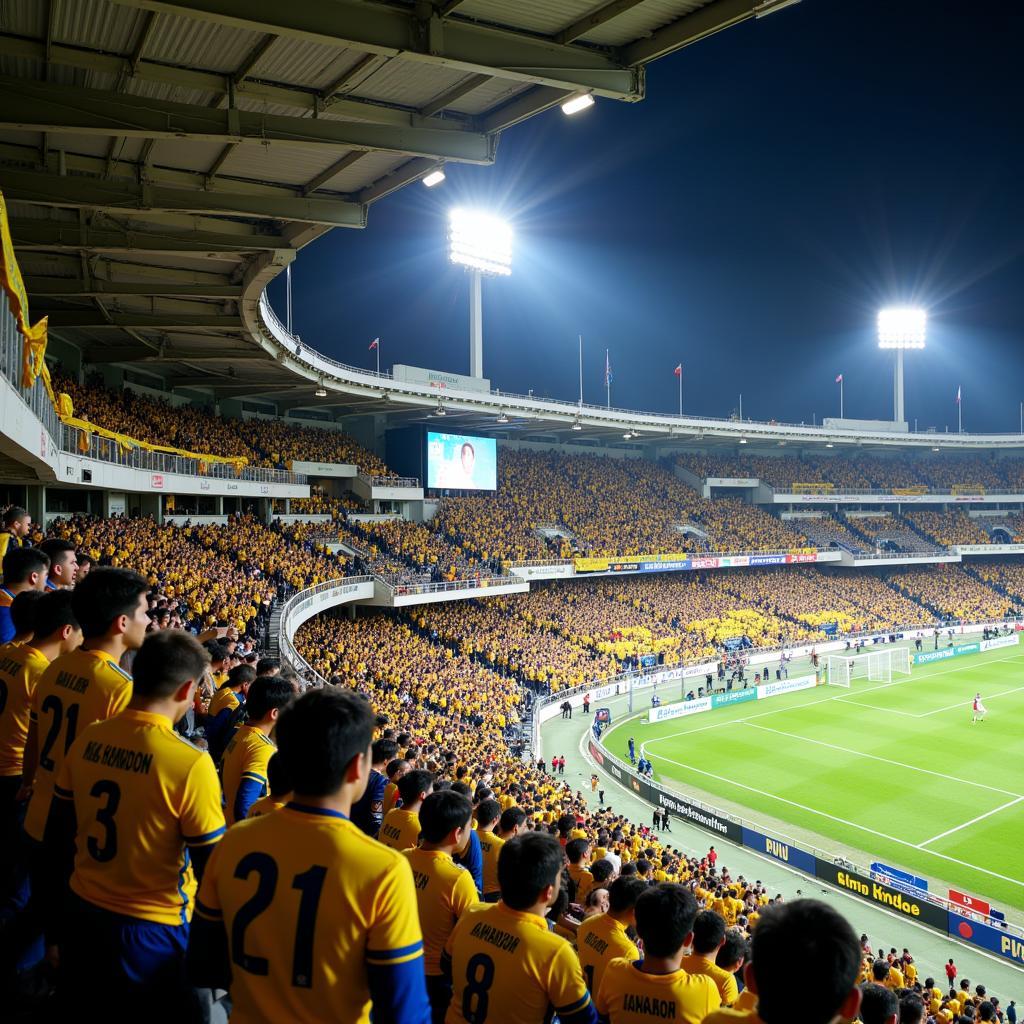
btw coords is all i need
(900, 328)
(502, 418)
(435, 177)
(482, 243)
(439, 411)
(742, 440)
(576, 425)
(321, 391)
(575, 104)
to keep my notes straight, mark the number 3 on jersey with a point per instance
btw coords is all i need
(476, 995)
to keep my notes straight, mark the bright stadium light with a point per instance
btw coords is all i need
(900, 328)
(577, 103)
(434, 178)
(482, 243)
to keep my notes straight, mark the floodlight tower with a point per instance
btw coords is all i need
(482, 243)
(901, 328)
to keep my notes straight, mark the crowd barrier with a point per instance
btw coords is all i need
(988, 933)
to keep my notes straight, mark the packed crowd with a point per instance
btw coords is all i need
(825, 532)
(866, 471)
(263, 441)
(891, 532)
(949, 528)
(407, 742)
(601, 507)
(425, 549)
(952, 592)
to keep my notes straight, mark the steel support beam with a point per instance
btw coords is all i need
(123, 197)
(454, 94)
(398, 178)
(73, 288)
(38, 106)
(95, 320)
(526, 105)
(130, 354)
(691, 28)
(308, 100)
(394, 31)
(595, 19)
(33, 235)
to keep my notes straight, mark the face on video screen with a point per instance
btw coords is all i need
(458, 462)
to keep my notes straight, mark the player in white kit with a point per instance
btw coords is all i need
(978, 710)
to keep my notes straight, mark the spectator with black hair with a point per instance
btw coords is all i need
(878, 1004)
(912, 1009)
(244, 766)
(23, 569)
(368, 810)
(397, 767)
(503, 956)
(444, 891)
(136, 814)
(605, 938)
(708, 938)
(657, 986)
(63, 563)
(279, 783)
(811, 935)
(488, 815)
(581, 881)
(230, 696)
(361, 947)
(401, 826)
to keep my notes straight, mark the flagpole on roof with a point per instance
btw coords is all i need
(581, 371)
(607, 380)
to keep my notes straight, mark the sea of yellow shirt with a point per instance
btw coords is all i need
(444, 891)
(21, 666)
(400, 829)
(629, 996)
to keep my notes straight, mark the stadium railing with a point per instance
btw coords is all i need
(388, 481)
(66, 439)
(449, 586)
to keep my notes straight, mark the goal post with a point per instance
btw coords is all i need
(875, 666)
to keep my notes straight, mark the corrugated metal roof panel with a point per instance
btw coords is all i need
(97, 24)
(409, 83)
(199, 44)
(301, 62)
(546, 17)
(23, 18)
(641, 21)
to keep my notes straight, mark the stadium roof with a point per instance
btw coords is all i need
(163, 161)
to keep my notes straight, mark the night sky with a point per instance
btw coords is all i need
(781, 182)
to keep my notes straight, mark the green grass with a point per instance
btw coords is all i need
(895, 771)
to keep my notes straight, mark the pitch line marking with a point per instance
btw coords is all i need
(887, 760)
(967, 703)
(821, 700)
(844, 821)
(980, 817)
(875, 707)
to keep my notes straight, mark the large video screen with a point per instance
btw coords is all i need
(461, 463)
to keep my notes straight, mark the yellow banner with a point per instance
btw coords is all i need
(591, 564)
(34, 365)
(968, 489)
(819, 488)
(910, 490)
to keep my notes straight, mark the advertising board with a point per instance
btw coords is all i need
(880, 894)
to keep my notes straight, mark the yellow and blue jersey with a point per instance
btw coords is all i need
(20, 668)
(400, 829)
(444, 891)
(6, 600)
(243, 771)
(724, 981)
(321, 921)
(506, 965)
(77, 689)
(600, 940)
(629, 996)
(267, 805)
(143, 794)
(490, 846)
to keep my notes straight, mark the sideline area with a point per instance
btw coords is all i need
(563, 737)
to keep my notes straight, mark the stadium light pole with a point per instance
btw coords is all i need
(482, 243)
(901, 328)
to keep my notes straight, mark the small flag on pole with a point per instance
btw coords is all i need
(678, 371)
(374, 344)
(839, 379)
(958, 394)
(607, 370)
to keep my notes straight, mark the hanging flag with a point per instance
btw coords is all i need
(839, 379)
(958, 394)
(678, 371)
(374, 344)
(607, 370)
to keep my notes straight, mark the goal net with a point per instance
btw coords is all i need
(875, 666)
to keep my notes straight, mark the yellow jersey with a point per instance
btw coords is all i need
(509, 961)
(746, 1000)
(225, 699)
(599, 941)
(628, 996)
(583, 880)
(506, 800)
(443, 892)
(21, 666)
(267, 805)
(143, 794)
(311, 905)
(390, 796)
(724, 981)
(400, 829)
(243, 771)
(75, 690)
(735, 1015)
(490, 847)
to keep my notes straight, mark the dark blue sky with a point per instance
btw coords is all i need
(781, 181)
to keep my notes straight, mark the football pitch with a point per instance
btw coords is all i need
(892, 771)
